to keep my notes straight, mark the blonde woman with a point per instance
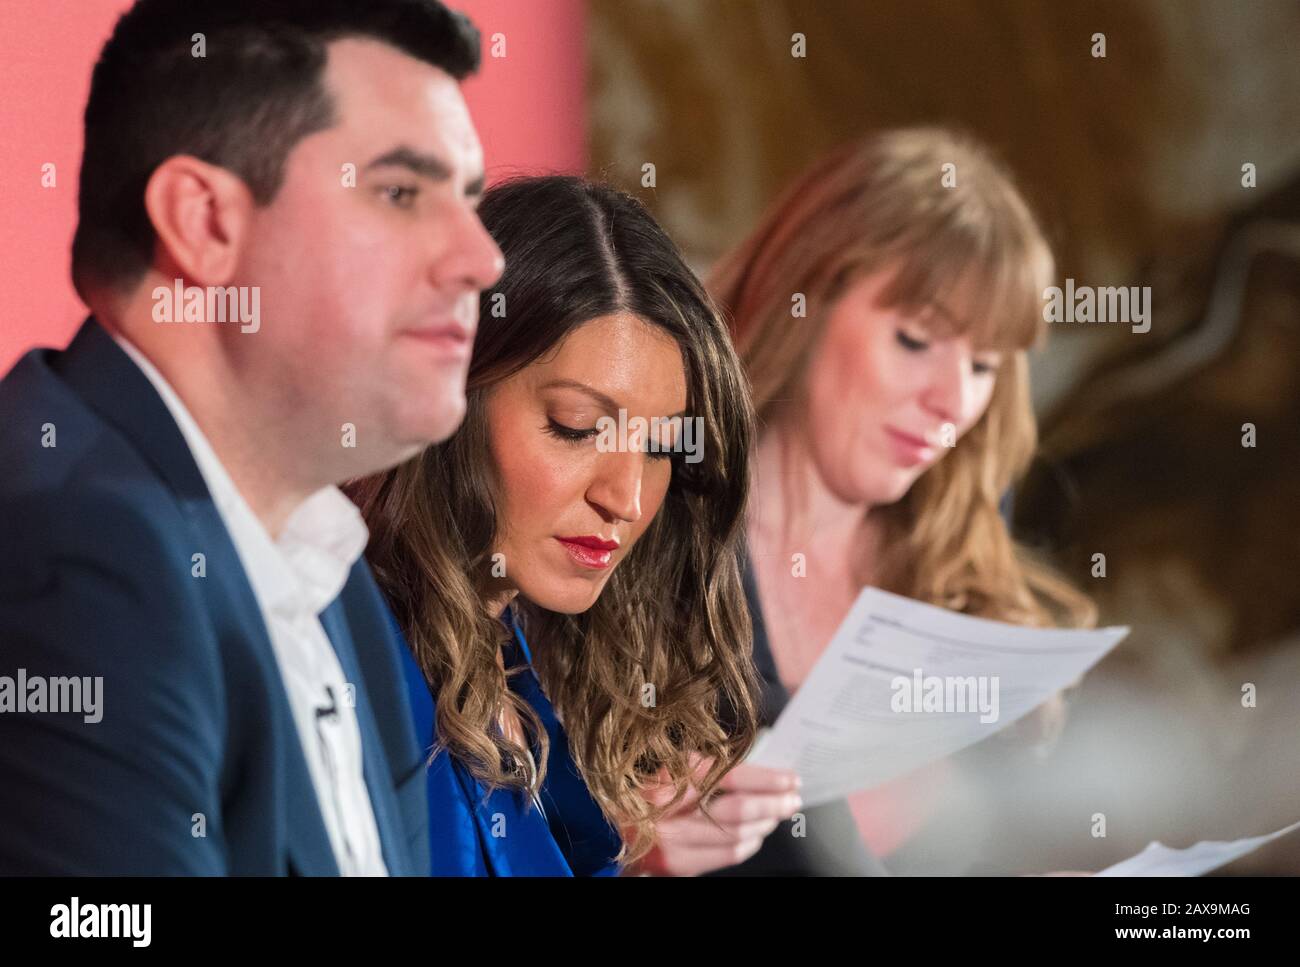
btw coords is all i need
(893, 416)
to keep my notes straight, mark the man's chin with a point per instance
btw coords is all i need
(442, 419)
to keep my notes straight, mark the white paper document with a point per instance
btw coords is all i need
(903, 684)
(1161, 860)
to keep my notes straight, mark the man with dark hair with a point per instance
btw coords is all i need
(279, 245)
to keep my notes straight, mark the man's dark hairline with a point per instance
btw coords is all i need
(459, 70)
(420, 163)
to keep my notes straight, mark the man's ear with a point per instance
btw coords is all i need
(201, 214)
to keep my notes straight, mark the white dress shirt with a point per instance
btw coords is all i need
(294, 579)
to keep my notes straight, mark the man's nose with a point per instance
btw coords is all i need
(470, 258)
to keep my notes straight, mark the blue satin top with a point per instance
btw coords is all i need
(503, 833)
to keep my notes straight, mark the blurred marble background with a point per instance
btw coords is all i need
(1134, 163)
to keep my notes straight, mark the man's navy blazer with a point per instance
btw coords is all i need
(196, 766)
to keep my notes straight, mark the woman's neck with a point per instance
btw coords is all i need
(812, 553)
(793, 509)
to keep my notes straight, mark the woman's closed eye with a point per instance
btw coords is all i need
(573, 434)
(911, 343)
(980, 367)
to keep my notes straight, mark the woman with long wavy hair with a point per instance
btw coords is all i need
(883, 309)
(570, 594)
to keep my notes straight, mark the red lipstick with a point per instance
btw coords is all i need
(589, 551)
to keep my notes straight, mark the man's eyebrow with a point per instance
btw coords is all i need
(422, 164)
(427, 166)
(594, 393)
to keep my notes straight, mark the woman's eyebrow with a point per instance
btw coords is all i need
(605, 401)
(943, 312)
(574, 384)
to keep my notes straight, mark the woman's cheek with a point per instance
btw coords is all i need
(830, 420)
(541, 477)
(522, 464)
(984, 406)
(656, 491)
(976, 414)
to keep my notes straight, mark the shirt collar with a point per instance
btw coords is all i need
(306, 568)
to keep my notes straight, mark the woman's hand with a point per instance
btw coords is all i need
(750, 802)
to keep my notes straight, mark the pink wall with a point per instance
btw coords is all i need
(529, 108)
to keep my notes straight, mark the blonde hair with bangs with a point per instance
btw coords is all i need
(965, 253)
